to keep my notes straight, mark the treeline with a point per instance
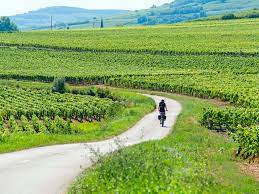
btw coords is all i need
(231, 16)
(6, 25)
(172, 15)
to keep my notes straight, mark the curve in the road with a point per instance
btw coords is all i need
(50, 170)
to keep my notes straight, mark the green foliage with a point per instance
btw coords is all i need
(4, 136)
(191, 38)
(62, 126)
(1, 123)
(230, 119)
(230, 16)
(59, 85)
(6, 25)
(41, 103)
(253, 15)
(134, 108)
(38, 126)
(26, 126)
(243, 125)
(248, 141)
(13, 125)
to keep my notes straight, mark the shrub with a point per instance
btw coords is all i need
(230, 16)
(90, 92)
(59, 85)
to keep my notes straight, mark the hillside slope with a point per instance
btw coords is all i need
(176, 11)
(185, 10)
(62, 16)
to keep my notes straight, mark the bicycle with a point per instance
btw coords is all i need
(162, 118)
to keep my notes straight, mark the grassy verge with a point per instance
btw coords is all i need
(190, 160)
(137, 106)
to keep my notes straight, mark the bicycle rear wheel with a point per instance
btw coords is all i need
(162, 122)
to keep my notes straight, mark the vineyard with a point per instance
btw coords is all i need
(41, 111)
(191, 38)
(185, 58)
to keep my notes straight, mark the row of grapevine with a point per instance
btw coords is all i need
(47, 126)
(18, 102)
(241, 92)
(230, 119)
(243, 124)
(248, 141)
(196, 38)
(46, 64)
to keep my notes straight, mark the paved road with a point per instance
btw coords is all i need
(50, 170)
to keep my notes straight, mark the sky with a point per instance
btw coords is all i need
(12, 7)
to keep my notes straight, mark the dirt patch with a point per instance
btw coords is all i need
(223, 134)
(192, 120)
(251, 169)
(219, 102)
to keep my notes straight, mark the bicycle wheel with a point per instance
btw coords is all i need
(163, 122)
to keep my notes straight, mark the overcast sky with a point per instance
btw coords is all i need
(11, 7)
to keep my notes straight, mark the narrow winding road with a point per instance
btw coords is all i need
(50, 170)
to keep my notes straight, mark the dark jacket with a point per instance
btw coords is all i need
(162, 107)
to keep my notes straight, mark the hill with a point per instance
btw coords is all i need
(62, 16)
(176, 11)
(253, 13)
(185, 10)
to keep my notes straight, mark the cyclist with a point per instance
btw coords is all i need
(162, 108)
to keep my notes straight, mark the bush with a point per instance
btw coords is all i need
(230, 16)
(59, 85)
(253, 15)
(90, 92)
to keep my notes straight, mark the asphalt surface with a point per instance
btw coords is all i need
(51, 169)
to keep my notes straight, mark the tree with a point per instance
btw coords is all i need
(102, 24)
(230, 16)
(142, 19)
(6, 25)
(94, 21)
(59, 85)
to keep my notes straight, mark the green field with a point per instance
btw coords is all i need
(206, 59)
(197, 38)
(190, 160)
